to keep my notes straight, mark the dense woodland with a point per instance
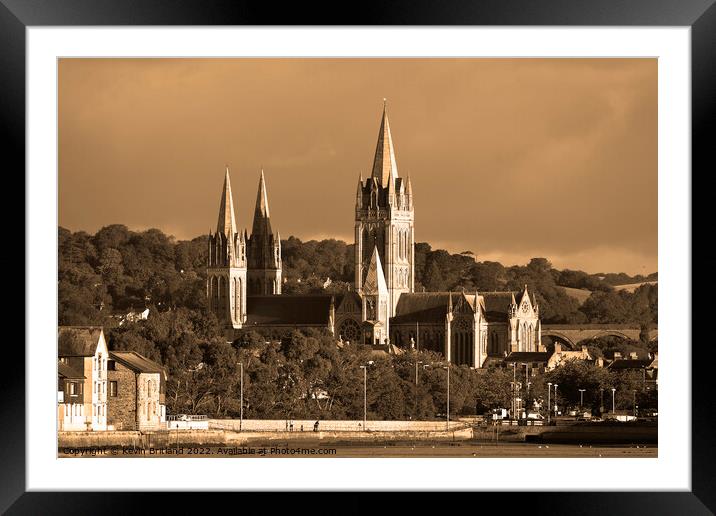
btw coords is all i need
(305, 375)
(117, 269)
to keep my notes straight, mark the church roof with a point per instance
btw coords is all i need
(227, 220)
(497, 305)
(288, 309)
(385, 168)
(262, 220)
(528, 356)
(428, 307)
(78, 340)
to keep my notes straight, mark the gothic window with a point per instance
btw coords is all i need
(350, 330)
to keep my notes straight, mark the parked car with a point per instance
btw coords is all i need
(535, 415)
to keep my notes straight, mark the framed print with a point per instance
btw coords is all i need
(418, 250)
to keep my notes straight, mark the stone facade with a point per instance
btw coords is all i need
(122, 399)
(136, 397)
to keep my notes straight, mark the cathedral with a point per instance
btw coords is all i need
(244, 281)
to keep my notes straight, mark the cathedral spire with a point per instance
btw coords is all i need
(262, 221)
(385, 169)
(227, 220)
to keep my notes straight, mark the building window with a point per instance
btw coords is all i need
(73, 388)
(113, 388)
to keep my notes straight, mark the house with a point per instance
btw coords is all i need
(560, 356)
(648, 365)
(83, 350)
(136, 392)
(70, 398)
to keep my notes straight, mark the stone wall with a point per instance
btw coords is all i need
(122, 409)
(279, 425)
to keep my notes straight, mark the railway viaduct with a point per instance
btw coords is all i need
(574, 335)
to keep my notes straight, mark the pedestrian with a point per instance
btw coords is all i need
(291, 427)
(315, 426)
(301, 428)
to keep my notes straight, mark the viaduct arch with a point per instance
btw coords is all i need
(573, 334)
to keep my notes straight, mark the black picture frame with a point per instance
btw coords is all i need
(700, 15)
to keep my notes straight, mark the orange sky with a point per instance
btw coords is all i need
(509, 158)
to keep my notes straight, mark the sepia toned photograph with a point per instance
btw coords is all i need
(357, 257)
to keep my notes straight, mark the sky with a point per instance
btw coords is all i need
(509, 158)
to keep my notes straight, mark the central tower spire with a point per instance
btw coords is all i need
(385, 169)
(384, 221)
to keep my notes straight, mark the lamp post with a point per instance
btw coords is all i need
(581, 399)
(365, 393)
(555, 400)
(633, 403)
(549, 402)
(613, 405)
(241, 408)
(514, 387)
(417, 363)
(601, 402)
(447, 412)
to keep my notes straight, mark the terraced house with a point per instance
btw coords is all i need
(82, 370)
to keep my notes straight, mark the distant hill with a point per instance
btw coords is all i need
(580, 294)
(631, 287)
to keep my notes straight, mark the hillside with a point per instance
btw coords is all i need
(119, 269)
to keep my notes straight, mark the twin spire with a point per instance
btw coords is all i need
(262, 222)
(227, 219)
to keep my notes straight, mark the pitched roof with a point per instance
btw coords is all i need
(227, 220)
(262, 220)
(428, 307)
(68, 372)
(136, 362)
(528, 356)
(385, 169)
(630, 363)
(289, 309)
(78, 341)
(497, 305)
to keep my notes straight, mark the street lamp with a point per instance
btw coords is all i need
(365, 392)
(417, 363)
(581, 399)
(549, 402)
(613, 406)
(555, 400)
(601, 402)
(241, 408)
(447, 414)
